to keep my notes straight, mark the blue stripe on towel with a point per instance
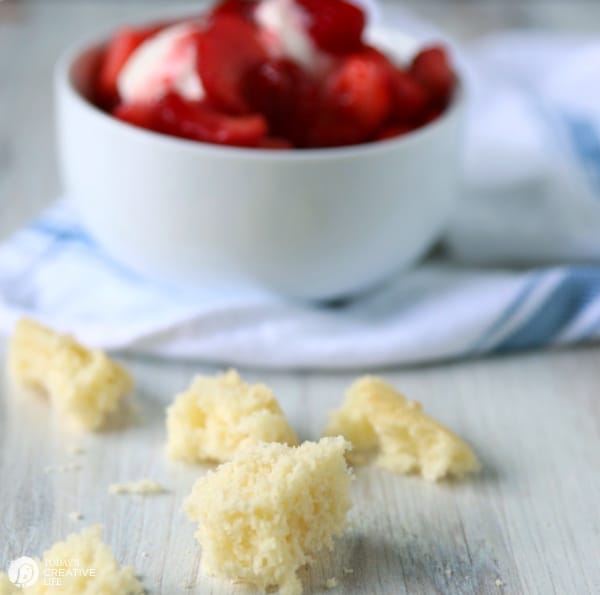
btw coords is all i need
(515, 306)
(585, 140)
(580, 286)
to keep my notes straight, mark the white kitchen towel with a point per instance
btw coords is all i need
(532, 195)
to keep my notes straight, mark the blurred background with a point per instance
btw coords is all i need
(34, 32)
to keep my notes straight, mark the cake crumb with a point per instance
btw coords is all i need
(448, 571)
(90, 553)
(271, 510)
(499, 582)
(142, 487)
(331, 583)
(83, 385)
(218, 416)
(385, 426)
(348, 570)
(75, 516)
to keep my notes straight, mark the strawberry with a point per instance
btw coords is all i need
(122, 44)
(243, 8)
(229, 49)
(275, 143)
(410, 98)
(432, 69)
(197, 121)
(336, 26)
(393, 130)
(359, 90)
(285, 94)
(138, 114)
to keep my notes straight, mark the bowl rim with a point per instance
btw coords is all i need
(63, 82)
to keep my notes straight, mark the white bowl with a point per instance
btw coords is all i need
(316, 224)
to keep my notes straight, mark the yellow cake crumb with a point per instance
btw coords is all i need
(348, 570)
(80, 565)
(382, 424)
(331, 583)
(83, 385)
(217, 416)
(271, 510)
(144, 486)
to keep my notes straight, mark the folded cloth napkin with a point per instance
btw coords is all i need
(532, 195)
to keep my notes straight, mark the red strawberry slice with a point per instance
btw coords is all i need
(431, 67)
(336, 26)
(275, 143)
(229, 49)
(285, 94)
(410, 98)
(393, 131)
(138, 114)
(197, 121)
(243, 8)
(123, 43)
(359, 90)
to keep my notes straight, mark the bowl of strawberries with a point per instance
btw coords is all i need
(275, 143)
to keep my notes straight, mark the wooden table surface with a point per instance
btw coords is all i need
(530, 523)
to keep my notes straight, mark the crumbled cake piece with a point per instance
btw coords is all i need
(144, 486)
(331, 583)
(271, 510)
(218, 416)
(82, 384)
(384, 425)
(6, 587)
(80, 565)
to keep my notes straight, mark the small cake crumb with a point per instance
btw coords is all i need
(97, 569)
(271, 510)
(75, 516)
(145, 554)
(348, 570)
(82, 384)
(383, 425)
(331, 583)
(499, 582)
(221, 415)
(144, 486)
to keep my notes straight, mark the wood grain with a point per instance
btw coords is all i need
(530, 523)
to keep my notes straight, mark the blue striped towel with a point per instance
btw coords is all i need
(532, 197)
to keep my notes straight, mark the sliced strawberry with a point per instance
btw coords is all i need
(123, 43)
(335, 25)
(285, 94)
(334, 132)
(275, 143)
(431, 67)
(393, 130)
(410, 98)
(229, 50)
(138, 114)
(197, 121)
(243, 8)
(359, 90)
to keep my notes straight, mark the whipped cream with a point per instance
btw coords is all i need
(166, 62)
(283, 30)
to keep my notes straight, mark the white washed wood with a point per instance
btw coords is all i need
(531, 521)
